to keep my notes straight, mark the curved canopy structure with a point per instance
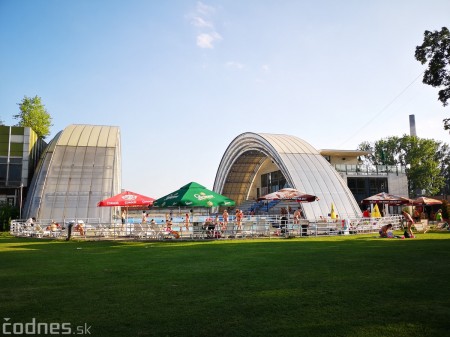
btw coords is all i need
(251, 155)
(80, 167)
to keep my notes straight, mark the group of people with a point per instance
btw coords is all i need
(385, 230)
(53, 227)
(410, 221)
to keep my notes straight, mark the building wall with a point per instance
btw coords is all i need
(344, 160)
(398, 184)
(20, 149)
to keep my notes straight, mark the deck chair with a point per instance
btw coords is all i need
(229, 232)
(262, 228)
(421, 226)
(247, 229)
(138, 232)
(441, 225)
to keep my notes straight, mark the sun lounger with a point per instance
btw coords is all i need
(421, 227)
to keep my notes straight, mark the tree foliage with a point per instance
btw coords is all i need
(445, 210)
(426, 161)
(7, 212)
(435, 50)
(34, 115)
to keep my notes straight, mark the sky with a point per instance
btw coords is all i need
(183, 78)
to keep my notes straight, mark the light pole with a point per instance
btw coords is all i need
(20, 202)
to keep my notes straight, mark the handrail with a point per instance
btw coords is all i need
(252, 226)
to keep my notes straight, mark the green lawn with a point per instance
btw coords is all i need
(327, 286)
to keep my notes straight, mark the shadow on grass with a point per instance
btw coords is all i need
(10, 243)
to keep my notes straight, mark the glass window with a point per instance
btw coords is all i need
(377, 185)
(3, 174)
(357, 185)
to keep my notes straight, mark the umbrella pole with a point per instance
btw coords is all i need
(114, 227)
(126, 222)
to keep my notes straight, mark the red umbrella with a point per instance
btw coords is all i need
(387, 199)
(424, 201)
(289, 194)
(127, 199)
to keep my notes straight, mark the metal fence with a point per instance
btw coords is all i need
(204, 227)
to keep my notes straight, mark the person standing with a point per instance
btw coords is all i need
(144, 217)
(438, 216)
(239, 218)
(297, 216)
(187, 221)
(409, 223)
(416, 215)
(123, 217)
(225, 219)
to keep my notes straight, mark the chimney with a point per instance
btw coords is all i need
(412, 126)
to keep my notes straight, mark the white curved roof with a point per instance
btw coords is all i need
(301, 164)
(80, 167)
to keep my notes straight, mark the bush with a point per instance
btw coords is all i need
(7, 212)
(445, 210)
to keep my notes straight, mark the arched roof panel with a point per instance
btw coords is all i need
(80, 167)
(301, 164)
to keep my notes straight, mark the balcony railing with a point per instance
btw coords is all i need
(370, 169)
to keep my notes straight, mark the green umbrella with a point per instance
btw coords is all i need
(193, 195)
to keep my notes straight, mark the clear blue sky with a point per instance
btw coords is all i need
(182, 79)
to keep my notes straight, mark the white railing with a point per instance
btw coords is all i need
(205, 227)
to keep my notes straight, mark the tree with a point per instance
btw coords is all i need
(435, 50)
(34, 115)
(369, 158)
(445, 210)
(423, 172)
(423, 159)
(7, 212)
(443, 156)
(386, 151)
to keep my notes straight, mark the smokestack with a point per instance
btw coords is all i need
(412, 126)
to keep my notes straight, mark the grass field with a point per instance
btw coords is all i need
(330, 286)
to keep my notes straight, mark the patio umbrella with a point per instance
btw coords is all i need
(376, 212)
(387, 199)
(193, 195)
(127, 199)
(333, 212)
(289, 194)
(424, 201)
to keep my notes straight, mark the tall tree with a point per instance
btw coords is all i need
(423, 159)
(386, 151)
(369, 158)
(435, 50)
(34, 115)
(443, 156)
(423, 172)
